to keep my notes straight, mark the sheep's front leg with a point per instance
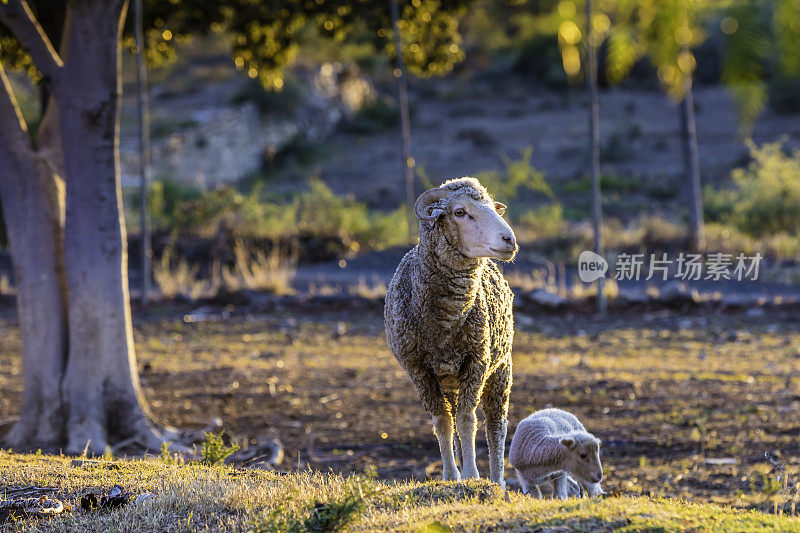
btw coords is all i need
(495, 408)
(471, 386)
(434, 403)
(443, 426)
(467, 422)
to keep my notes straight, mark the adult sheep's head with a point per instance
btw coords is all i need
(584, 456)
(469, 219)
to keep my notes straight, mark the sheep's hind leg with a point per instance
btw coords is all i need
(443, 426)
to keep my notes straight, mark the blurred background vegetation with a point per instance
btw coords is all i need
(288, 139)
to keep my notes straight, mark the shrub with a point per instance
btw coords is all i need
(317, 212)
(768, 196)
(518, 176)
(374, 117)
(542, 222)
(282, 103)
(718, 204)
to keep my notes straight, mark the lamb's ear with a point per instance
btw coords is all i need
(569, 442)
(500, 208)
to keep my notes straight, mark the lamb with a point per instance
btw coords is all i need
(449, 321)
(551, 444)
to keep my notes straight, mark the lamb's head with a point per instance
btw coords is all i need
(468, 218)
(583, 460)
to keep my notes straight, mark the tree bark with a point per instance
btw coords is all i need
(100, 386)
(691, 164)
(33, 210)
(594, 150)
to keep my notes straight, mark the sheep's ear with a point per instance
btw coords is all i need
(500, 208)
(569, 442)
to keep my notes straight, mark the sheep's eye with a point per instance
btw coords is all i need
(584, 456)
(459, 212)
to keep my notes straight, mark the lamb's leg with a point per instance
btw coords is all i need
(561, 484)
(592, 489)
(495, 409)
(529, 488)
(443, 426)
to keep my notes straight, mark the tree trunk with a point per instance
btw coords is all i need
(33, 210)
(691, 168)
(100, 385)
(594, 150)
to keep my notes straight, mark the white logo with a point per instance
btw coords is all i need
(591, 266)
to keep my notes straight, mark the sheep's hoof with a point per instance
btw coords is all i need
(470, 474)
(451, 476)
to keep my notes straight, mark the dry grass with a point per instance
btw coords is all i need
(255, 270)
(252, 270)
(199, 498)
(665, 391)
(179, 278)
(5, 285)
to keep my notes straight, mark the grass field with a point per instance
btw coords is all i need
(686, 406)
(191, 498)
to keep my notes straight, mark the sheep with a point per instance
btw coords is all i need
(550, 445)
(449, 321)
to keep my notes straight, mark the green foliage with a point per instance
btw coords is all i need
(317, 211)
(332, 515)
(545, 221)
(769, 191)
(718, 204)
(767, 198)
(744, 61)
(375, 117)
(214, 450)
(517, 177)
(167, 200)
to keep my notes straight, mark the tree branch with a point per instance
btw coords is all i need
(13, 130)
(18, 17)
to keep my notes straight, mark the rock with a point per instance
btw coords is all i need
(739, 299)
(633, 296)
(675, 293)
(544, 298)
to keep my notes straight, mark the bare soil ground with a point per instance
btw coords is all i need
(667, 393)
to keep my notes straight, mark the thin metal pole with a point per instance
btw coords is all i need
(594, 148)
(405, 118)
(144, 148)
